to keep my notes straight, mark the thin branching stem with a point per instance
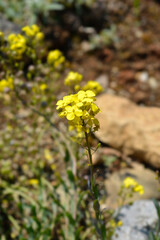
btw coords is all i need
(93, 189)
(90, 161)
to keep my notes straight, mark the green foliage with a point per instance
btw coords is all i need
(42, 186)
(40, 193)
(105, 37)
(28, 11)
(136, 5)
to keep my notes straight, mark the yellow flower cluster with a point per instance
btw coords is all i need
(6, 84)
(80, 111)
(73, 79)
(33, 181)
(94, 86)
(33, 32)
(1, 35)
(43, 87)
(55, 58)
(115, 224)
(131, 183)
(17, 45)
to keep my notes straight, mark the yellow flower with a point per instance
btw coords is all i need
(139, 188)
(72, 112)
(43, 87)
(55, 58)
(133, 185)
(47, 155)
(17, 45)
(33, 181)
(6, 84)
(31, 31)
(39, 36)
(129, 182)
(115, 224)
(119, 223)
(1, 35)
(112, 223)
(73, 79)
(94, 86)
(80, 111)
(86, 96)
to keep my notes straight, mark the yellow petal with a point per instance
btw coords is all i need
(70, 116)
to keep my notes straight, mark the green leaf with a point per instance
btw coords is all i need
(71, 219)
(156, 204)
(55, 6)
(108, 160)
(151, 236)
(70, 175)
(103, 231)
(67, 156)
(96, 193)
(96, 205)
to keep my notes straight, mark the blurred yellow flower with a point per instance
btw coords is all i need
(6, 84)
(43, 87)
(47, 155)
(1, 35)
(55, 58)
(39, 36)
(31, 31)
(33, 181)
(73, 79)
(139, 188)
(17, 45)
(133, 185)
(94, 86)
(119, 223)
(129, 182)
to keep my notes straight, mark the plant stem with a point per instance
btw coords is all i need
(90, 161)
(96, 204)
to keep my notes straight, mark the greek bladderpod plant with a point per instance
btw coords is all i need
(80, 111)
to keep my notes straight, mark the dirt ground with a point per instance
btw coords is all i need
(131, 63)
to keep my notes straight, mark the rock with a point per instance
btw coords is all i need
(103, 80)
(142, 77)
(85, 46)
(138, 220)
(135, 130)
(153, 83)
(143, 176)
(8, 27)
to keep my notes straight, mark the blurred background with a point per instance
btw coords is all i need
(114, 42)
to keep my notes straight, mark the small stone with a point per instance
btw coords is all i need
(142, 77)
(103, 80)
(153, 83)
(85, 46)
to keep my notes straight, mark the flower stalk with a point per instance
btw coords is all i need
(100, 226)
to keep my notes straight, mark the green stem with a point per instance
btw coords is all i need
(90, 161)
(93, 191)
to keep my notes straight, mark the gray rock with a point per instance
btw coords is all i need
(7, 26)
(138, 219)
(103, 80)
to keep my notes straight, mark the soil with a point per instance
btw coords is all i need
(134, 54)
